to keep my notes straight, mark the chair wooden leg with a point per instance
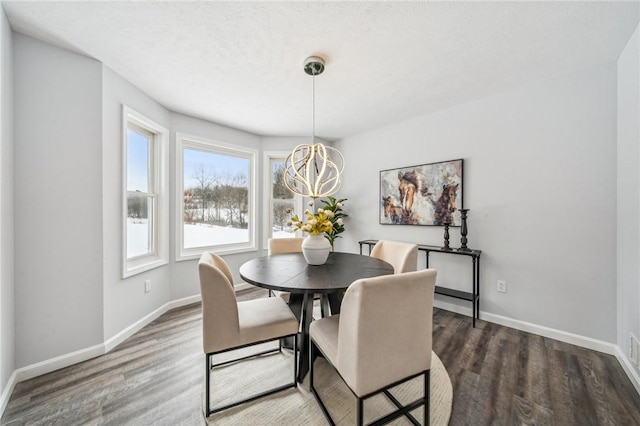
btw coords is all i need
(207, 390)
(295, 359)
(359, 418)
(427, 398)
(208, 411)
(312, 355)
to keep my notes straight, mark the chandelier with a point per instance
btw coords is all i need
(313, 170)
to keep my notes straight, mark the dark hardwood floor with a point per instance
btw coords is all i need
(500, 376)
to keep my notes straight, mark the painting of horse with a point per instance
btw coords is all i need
(445, 206)
(429, 194)
(391, 210)
(407, 186)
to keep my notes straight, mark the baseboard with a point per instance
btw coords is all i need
(8, 390)
(628, 368)
(563, 336)
(62, 361)
(66, 360)
(140, 324)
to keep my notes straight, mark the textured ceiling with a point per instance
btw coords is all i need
(240, 63)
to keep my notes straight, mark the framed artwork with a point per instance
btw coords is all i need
(430, 194)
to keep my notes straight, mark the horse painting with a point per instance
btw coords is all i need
(407, 185)
(391, 211)
(428, 194)
(446, 205)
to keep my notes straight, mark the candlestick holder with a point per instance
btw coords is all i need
(446, 236)
(463, 230)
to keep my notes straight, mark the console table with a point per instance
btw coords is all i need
(473, 296)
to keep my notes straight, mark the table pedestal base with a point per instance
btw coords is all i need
(302, 307)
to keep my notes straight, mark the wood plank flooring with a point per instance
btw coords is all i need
(500, 376)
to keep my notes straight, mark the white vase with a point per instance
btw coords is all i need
(315, 249)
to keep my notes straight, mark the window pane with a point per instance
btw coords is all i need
(280, 229)
(280, 191)
(139, 225)
(137, 161)
(216, 198)
(281, 200)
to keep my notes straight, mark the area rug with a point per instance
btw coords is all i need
(297, 406)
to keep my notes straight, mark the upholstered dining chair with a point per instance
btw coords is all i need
(402, 256)
(228, 324)
(283, 245)
(380, 339)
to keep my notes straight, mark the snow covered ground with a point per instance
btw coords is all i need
(199, 235)
(202, 235)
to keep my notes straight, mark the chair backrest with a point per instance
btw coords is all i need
(220, 324)
(385, 329)
(402, 256)
(284, 245)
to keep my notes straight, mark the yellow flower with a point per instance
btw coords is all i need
(315, 224)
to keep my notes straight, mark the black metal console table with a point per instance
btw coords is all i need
(473, 296)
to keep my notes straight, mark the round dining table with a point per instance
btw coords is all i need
(290, 272)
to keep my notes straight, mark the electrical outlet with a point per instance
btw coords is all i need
(501, 286)
(147, 286)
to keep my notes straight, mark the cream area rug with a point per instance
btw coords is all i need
(297, 406)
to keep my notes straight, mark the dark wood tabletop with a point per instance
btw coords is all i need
(290, 272)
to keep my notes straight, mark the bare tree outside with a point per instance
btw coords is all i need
(219, 198)
(282, 198)
(205, 179)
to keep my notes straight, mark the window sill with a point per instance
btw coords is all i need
(194, 254)
(139, 266)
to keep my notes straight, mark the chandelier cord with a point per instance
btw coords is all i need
(313, 108)
(313, 118)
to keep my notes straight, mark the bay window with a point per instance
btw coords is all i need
(216, 193)
(145, 201)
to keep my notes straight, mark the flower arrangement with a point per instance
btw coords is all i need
(335, 207)
(327, 220)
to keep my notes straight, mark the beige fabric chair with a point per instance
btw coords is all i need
(402, 256)
(228, 324)
(283, 245)
(381, 338)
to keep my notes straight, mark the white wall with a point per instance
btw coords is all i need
(58, 201)
(7, 337)
(125, 301)
(540, 180)
(628, 207)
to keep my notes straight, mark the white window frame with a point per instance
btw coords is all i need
(183, 141)
(159, 165)
(267, 190)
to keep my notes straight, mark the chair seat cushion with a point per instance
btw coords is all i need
(264, 319)
(325, 333)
